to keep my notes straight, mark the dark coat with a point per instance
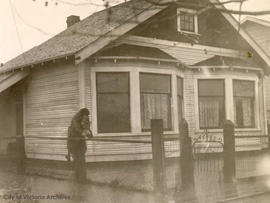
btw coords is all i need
(79, 124)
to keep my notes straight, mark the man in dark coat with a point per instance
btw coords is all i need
(77, 131)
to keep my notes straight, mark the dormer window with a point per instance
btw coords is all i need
(187, 20)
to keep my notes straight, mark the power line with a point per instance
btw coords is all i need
(29, 25)
(208, 6)
(79, 4)
(17, 30)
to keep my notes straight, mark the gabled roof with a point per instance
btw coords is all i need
(255, 20)
(81, 34)
(261, 53)
(259, 30)
(96, 31)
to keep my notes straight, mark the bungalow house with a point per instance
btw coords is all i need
(259, 31)
(132, 63)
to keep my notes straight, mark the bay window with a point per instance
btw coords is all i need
(155, 94)
(244, 96)
(113, 105)
(211, 94)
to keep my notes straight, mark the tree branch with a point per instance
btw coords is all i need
(212, 6)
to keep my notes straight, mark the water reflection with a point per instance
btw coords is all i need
(208, 185)
(44, 190)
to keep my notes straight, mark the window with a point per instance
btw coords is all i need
(180, 97)
(187, 20)
(155, 91)
(244, 96)
(211, 103)
(113, 106)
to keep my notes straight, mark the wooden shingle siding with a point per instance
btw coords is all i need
(52, 98)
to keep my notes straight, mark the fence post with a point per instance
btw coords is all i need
(229, 151)
(186, 157)
(158, 155)
(268, 128)
(20, 155)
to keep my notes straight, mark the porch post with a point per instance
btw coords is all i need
(229, 151)
(158, 156)
(186, 157)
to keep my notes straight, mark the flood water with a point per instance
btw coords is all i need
(44, 190)
(37, 189)
(208, 186)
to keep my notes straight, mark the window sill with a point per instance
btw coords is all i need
(189, 33)
(128, 134)
(247, 129)
(236, 130)
(209, 130)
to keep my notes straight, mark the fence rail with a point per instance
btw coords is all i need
(203, 163)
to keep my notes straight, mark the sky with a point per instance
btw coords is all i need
(27, 23)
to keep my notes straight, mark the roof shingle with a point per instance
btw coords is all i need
(79, 35)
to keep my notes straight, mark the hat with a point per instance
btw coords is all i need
(84, 111)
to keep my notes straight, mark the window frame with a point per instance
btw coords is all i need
(198, 101)
(134, 71)
(170, 99)
(195, 16)
(128, 92)
(229, 113)
(253, 104)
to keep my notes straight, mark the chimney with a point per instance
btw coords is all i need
(71, 20)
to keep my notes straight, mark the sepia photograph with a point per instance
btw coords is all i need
(134, 101)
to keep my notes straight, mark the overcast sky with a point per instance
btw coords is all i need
(27, 23)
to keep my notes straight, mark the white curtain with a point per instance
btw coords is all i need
(155, 106)
(209, 113)
(245, 114)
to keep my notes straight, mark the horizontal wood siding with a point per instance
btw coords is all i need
(184, 52)
(88, 92)
(267, 96)
(52, 98)
(188, 56)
